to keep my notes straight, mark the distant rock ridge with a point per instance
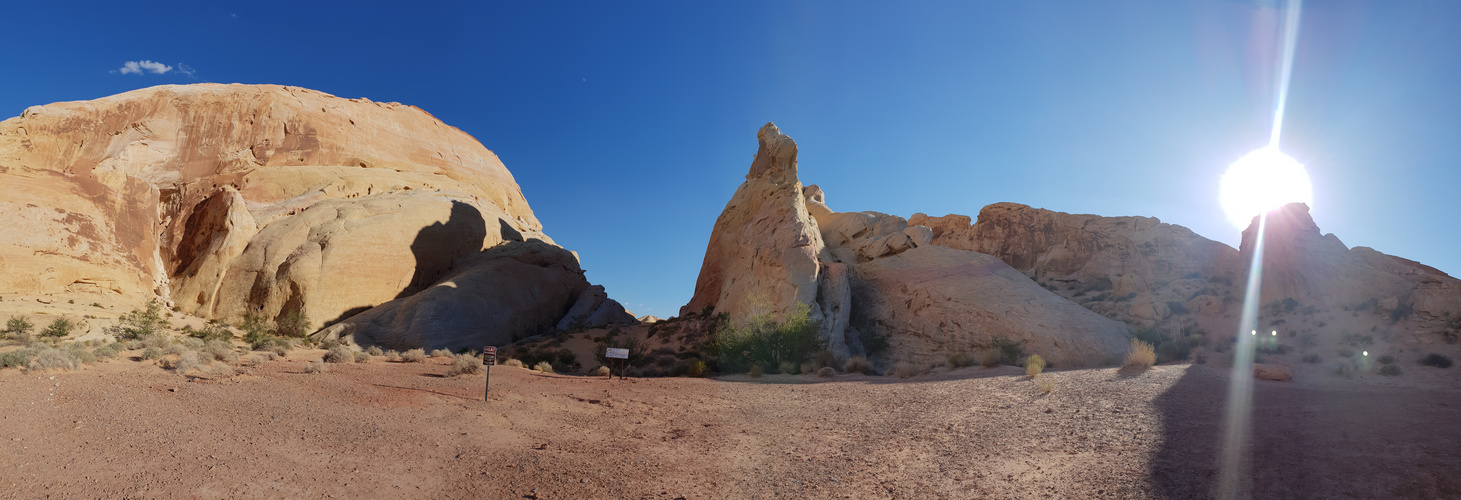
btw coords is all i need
(233, 200)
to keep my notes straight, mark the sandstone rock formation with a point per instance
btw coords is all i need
(1310, 269)
(229, 200)
(777, 244)
(1133, 269)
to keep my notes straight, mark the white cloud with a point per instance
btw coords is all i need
(144, 66)
(186, 70)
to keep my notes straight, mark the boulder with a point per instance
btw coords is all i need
(594, 309)
(1277, 373)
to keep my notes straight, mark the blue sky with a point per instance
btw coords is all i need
(629, 125)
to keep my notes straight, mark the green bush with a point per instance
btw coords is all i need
(17, 327)
(767, 342)
(1010, 353)
(59, 328)
(561, 359)
(140, 322)
(874, 341)
(957, 360)
(755, 371)
(213, 330)
(294, 324)
(787, 367)
(697, 369)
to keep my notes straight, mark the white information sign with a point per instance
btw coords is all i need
(616, 353)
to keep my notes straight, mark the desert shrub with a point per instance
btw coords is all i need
(563, 359)
(294, 324)
(1437, 360)
(1034, 365)
(193, 343)
(17, 327)
(543, 366)
(186, 362)
(140, 323)
(1386, 359)
(464, 364)
(1141, 356)
(19, 358)
(755, 371)
(809, 368)
(905, 369)
(220, 350)
(990, 358)
(51, 358)
(393, 354)
(697, 369)
(787, 367)
(374, 351)
(414, 356)
(516, 363)
(1045, 384)
(1390, 369)
(602, 371)
(339, 354)
(763, 340)
(59, 328)
(858, 364)
(1404, 310)
(108, 351)
(1010, 353)
(316, 366)
(665, 361)
(213, 330)
(79, 352)
(441, 353)
(957, 360)
(265, 342)
(151, 353)
(361, 357)
(1312, 358)
(826, 372)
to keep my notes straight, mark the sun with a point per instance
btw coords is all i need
(1261, 181)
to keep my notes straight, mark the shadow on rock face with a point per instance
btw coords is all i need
(438, 246)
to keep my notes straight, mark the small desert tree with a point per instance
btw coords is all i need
(140, 323)
(18, 327)
(763, 341)
(292, 324)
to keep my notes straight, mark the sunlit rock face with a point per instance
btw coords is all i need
(1313, 269)
(229, 200)
(778, 243)
(1137, 270)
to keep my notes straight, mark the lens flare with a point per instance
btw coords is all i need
(1261, 181)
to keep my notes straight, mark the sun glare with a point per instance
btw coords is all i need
(1261, 181)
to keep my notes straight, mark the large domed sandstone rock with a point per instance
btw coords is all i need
(777, 244)
(1311, 269)
(1133, 269)
(249, 199)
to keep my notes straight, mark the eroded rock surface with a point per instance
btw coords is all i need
(228, 200)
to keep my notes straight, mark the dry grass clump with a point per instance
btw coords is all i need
(1034, 365)
(602, 371)
(316, 366)
(958, 360)
(414, 356)
(756, 371)
(858, 364)
(826, 372)
(990, 358)
(151, 353)
(393, 355)
(340, 354)
(19, 358)
(361, 357)
(51, 358)
(905, 369)
(1046, 384)
(465, 364)
(374, 351)
(441, 353)
(697, 369)
(108, 351)
(1142, 355)
(543, 366)
(513, 363)
(787, 367)
(220, 350)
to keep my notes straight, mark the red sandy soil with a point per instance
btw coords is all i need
(384, 429)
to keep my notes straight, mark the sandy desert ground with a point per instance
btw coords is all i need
(386, 429)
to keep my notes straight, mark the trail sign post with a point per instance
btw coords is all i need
(489, 358)
(620, 354)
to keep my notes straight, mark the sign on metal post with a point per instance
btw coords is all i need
(620, 354)
(489, 358)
